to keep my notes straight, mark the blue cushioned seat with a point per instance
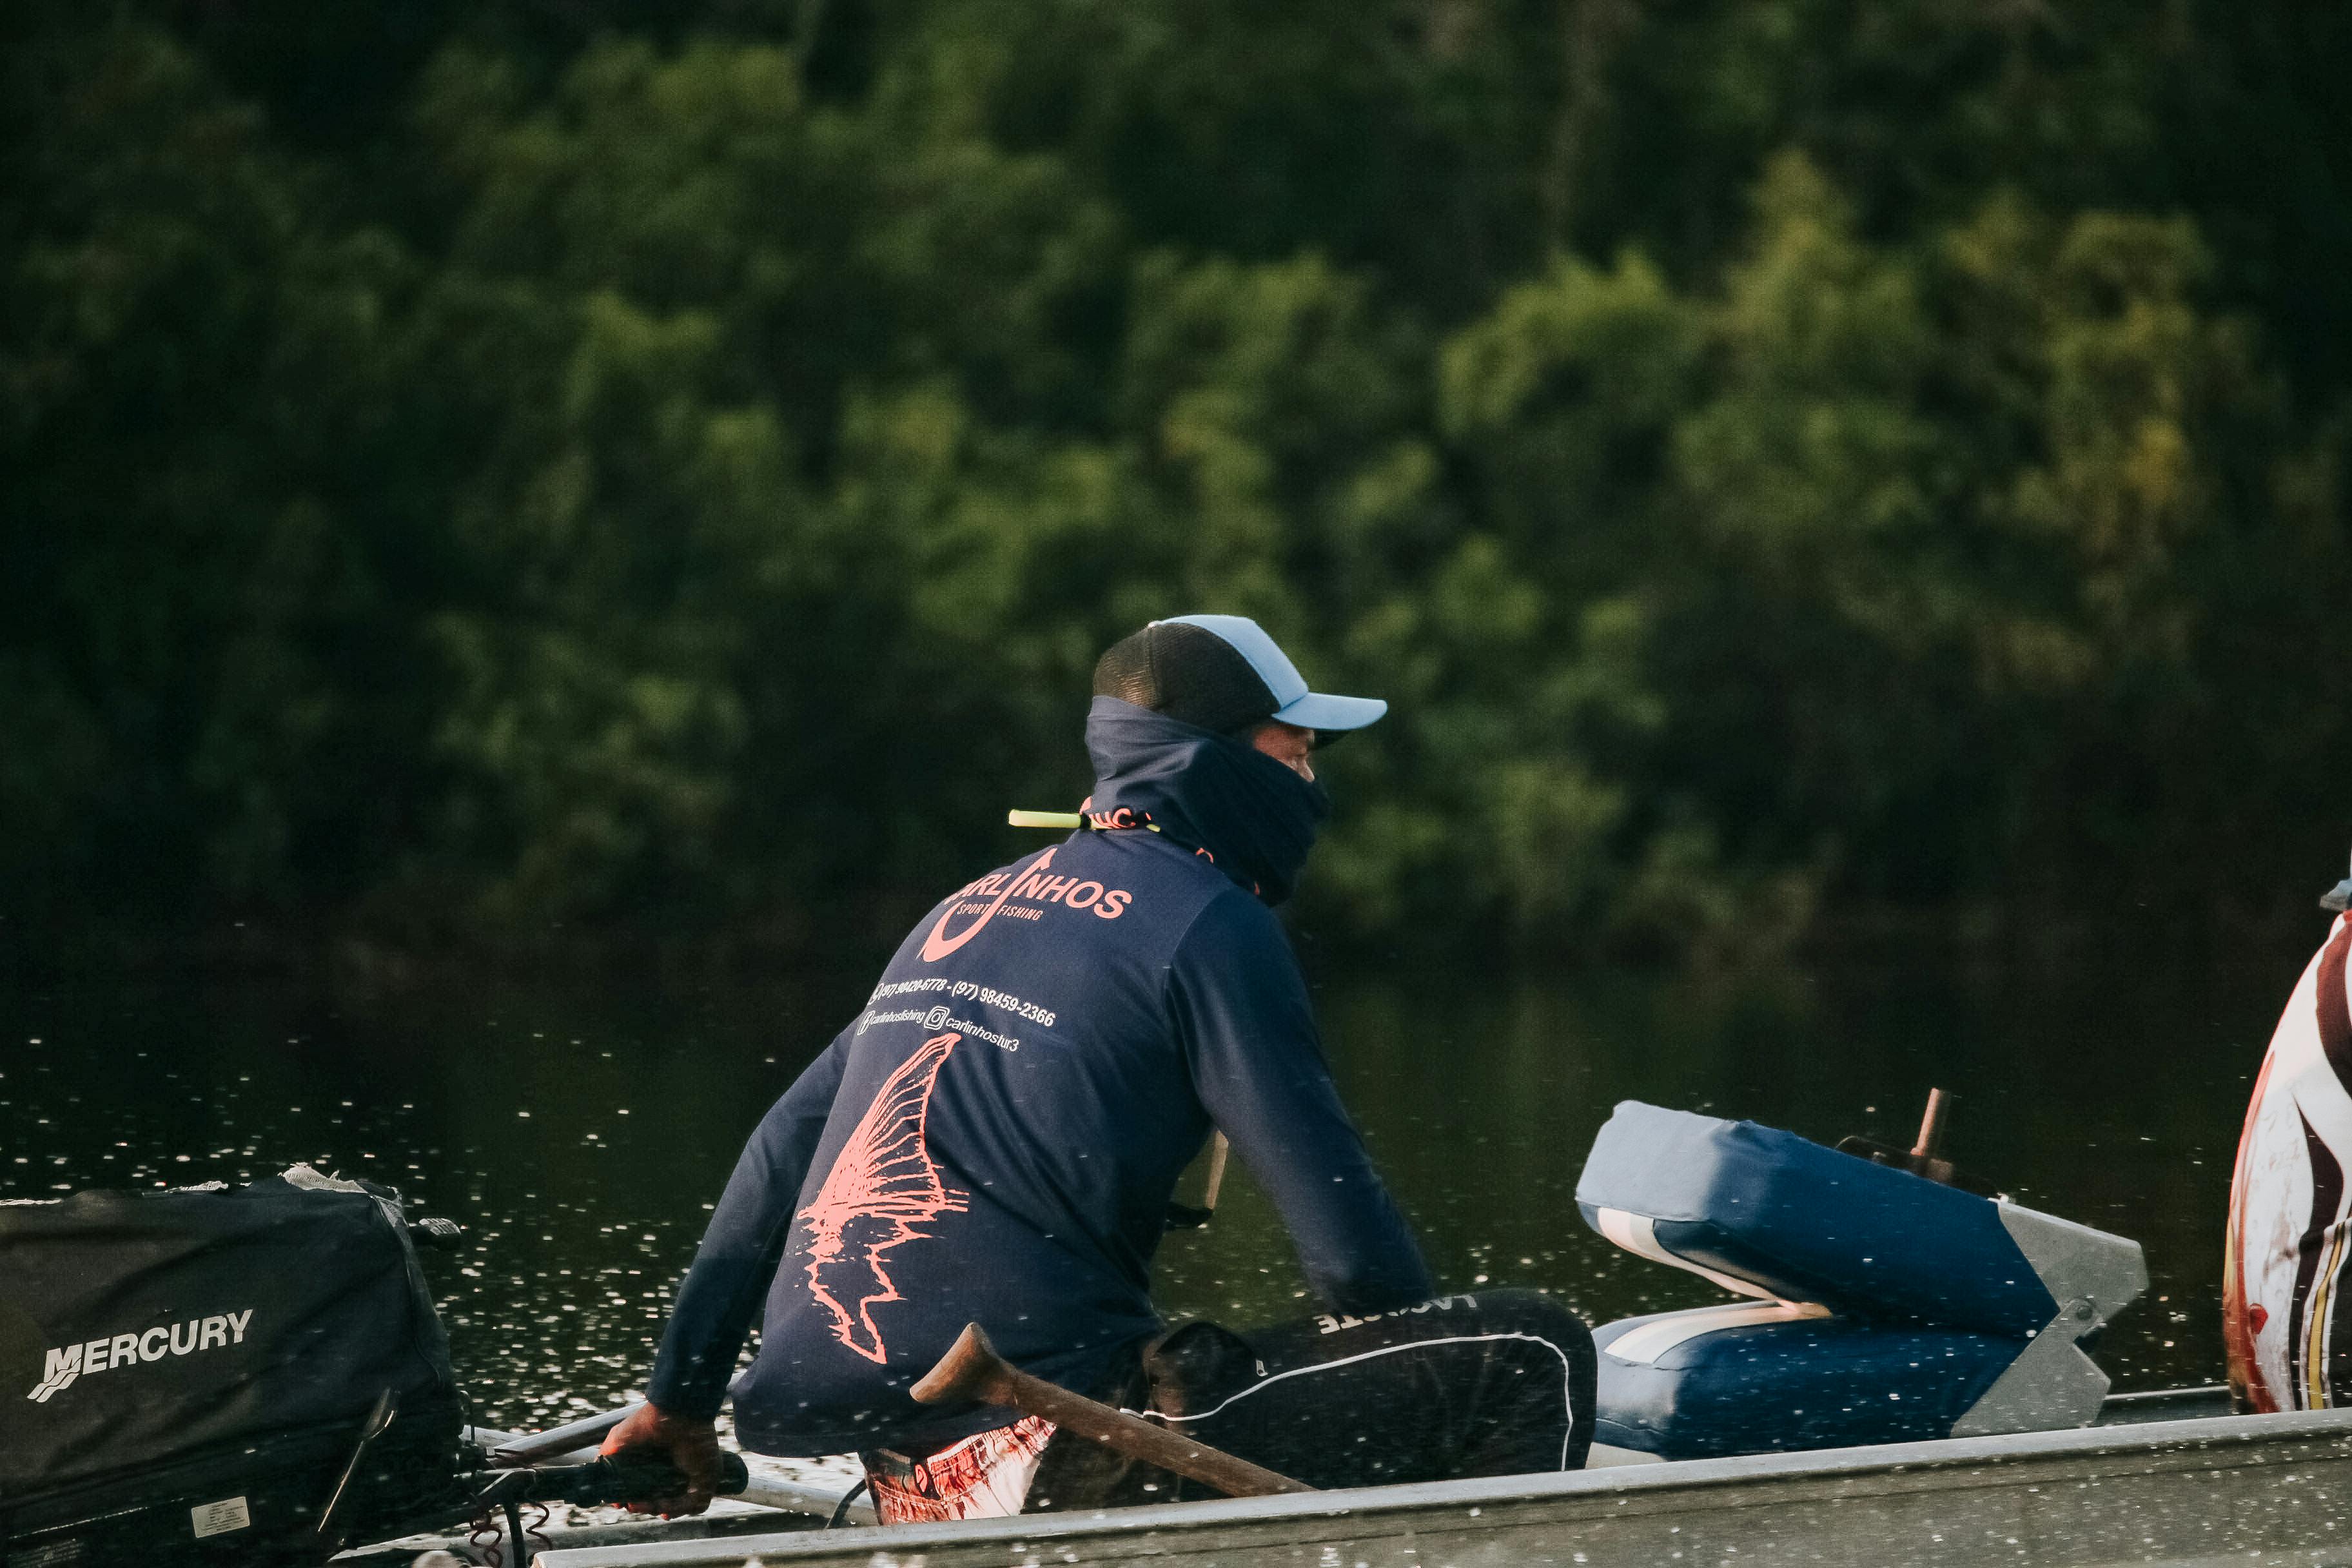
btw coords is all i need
(1768, 1213)
(1893, 1308)
(1758, 1378)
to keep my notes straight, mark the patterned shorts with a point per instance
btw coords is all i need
(986, 1476)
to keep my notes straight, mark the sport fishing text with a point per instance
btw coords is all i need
(67, 1362)
(984, 901)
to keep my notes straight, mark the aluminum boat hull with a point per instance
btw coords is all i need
(2159, 1484)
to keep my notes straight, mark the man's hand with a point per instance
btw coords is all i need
(691, 1444)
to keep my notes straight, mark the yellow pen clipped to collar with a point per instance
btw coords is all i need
(1062, 821)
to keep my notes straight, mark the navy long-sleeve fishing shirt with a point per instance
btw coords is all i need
(995, 1137)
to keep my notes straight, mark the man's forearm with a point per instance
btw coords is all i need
(706, 1330)
(746, 1238)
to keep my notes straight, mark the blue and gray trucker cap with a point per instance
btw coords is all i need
(1222, 673)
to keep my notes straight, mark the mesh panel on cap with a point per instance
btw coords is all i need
(1186, 672)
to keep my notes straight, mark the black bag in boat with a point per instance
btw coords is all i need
(186, 1374)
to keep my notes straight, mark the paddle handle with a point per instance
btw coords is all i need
(973, 1370)
(1932, 1126)
(1218, 1147)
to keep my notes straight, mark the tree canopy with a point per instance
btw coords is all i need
(476, 472)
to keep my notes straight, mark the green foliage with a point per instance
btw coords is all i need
(675, 469)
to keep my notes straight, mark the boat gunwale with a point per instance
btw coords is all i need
(2203, 1443)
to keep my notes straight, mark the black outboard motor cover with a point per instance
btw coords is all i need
(184, 1375)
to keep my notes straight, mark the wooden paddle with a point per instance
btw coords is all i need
(973, 1370)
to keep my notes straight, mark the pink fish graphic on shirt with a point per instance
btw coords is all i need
(882, 1189)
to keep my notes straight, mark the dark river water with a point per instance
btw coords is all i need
(581, 1132)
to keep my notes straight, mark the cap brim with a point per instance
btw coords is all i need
(1332, 714)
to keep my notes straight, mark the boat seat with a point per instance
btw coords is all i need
(1765, 1377)
(1766, 1213)
(1892, 1309)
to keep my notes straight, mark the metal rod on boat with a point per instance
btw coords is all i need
(973, 1370)
(584, 1433)
(387, 1405)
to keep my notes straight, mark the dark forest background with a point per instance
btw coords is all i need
(505, 476)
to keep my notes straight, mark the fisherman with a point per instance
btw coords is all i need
(996, 1136)
(2282, 1259)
